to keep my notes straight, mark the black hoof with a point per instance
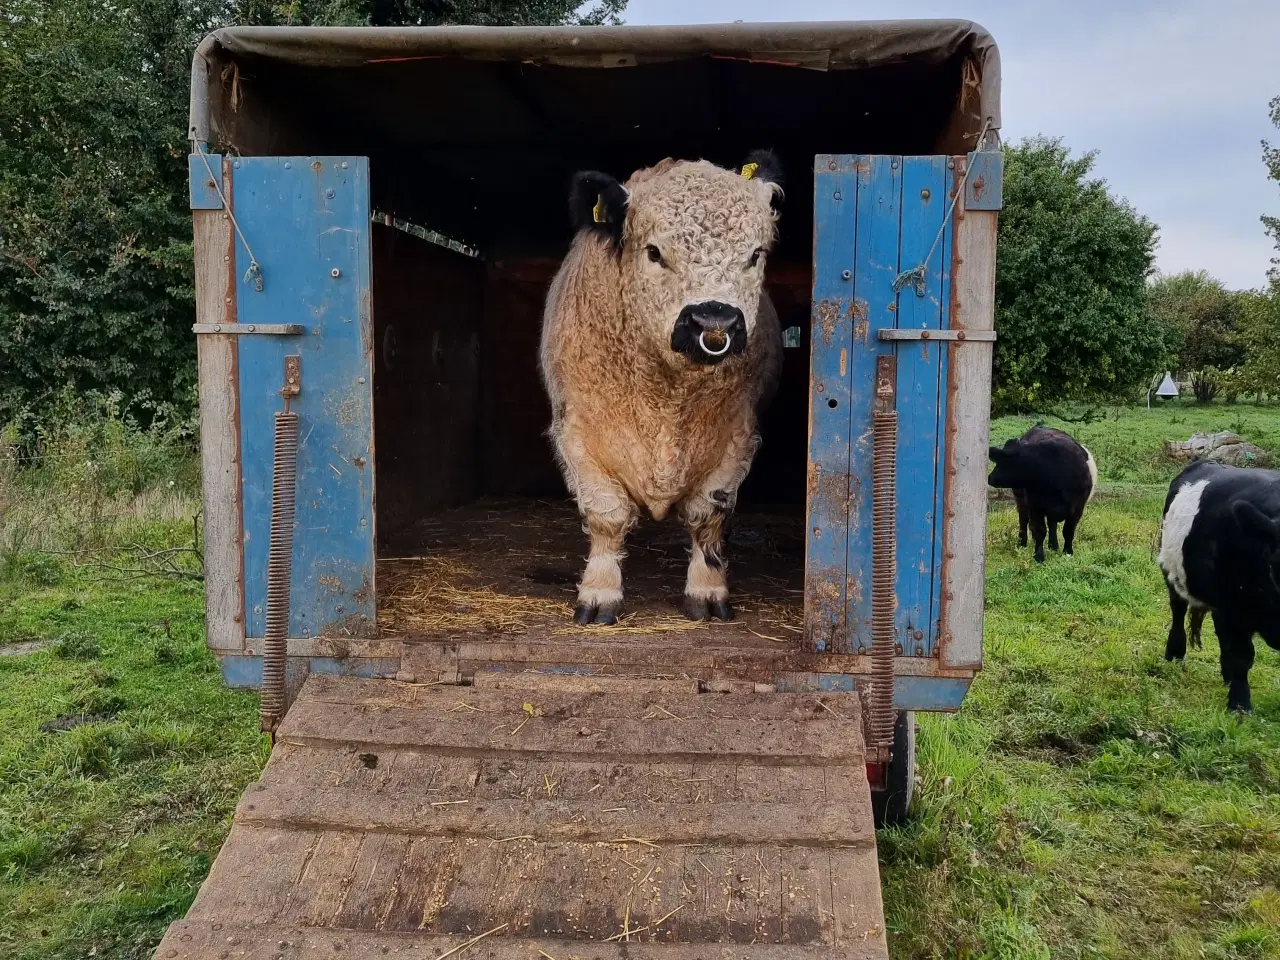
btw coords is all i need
(698, 608)
(1245, 711)
(1040, 557)
(695, 608)
(1022, 541)
(721, 610)
(604, 615)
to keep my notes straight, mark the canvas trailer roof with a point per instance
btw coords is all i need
(475, 131)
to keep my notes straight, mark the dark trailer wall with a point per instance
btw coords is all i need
(476, 132)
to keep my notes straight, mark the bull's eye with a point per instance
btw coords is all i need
(755, 256)
(655, 255)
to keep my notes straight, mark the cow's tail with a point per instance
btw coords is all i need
(1093, 470)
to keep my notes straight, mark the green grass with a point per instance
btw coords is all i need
(1126, 441)
(1090, 800)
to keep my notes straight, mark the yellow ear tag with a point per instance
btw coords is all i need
(750, 169)
(597, 212)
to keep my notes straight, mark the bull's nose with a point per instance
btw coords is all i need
(714, 315)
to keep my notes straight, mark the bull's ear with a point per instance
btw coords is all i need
(764, 165)
(598, 202)
(1254, 523)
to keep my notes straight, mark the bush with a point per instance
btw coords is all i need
(1204, 384)
(1071, 274)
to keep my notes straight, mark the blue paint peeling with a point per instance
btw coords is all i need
(307, 221)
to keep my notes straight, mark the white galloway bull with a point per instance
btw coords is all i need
(659, 348)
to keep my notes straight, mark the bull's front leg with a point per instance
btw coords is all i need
(600, 590)
(706, 589)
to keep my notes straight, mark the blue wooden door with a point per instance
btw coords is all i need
(307, 221)
(875, 217)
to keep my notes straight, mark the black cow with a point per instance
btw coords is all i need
(1220, 552)
(1052, 478)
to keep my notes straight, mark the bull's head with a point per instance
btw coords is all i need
(691, 239)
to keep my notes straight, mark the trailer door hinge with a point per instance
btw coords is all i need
(240, 329)
(907, 333)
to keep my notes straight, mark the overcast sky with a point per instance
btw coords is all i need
(1172, 93)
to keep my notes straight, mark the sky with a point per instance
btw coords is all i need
(1172, 94)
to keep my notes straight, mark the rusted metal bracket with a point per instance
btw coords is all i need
(984, 336)
(292, 377)
(884, 554)
(240, 329)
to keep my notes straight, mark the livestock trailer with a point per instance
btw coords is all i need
(390, 551)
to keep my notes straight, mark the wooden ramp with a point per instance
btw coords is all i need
(548, 817)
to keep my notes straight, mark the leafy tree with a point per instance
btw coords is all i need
(96, 278)
(1071, 284)
(1259, 332)
(427, 13)
(1201, 319)
(1271, 157)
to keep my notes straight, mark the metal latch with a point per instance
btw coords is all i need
(906, 333)
(271, 329)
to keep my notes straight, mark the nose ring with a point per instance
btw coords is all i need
(702, 342)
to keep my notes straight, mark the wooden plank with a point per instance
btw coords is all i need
(252, 861)
(584, 703)
(804, 823)
(856, 908)
(968, 423)
(834, 320)
(784, 742)
(921, 368)
(805, 896)
(879, 204)
(218, 376)
(200, 940)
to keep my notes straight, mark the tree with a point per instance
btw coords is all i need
(1201, 319)
(427, 13)
(1071, 284)
(1271, 157)
(1259, 332)
(96, 279)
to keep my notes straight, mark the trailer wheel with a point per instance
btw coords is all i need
(890, 803)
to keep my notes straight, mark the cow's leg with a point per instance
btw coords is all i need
(706, 513)
(1069, 529)
(1020, 498)
(1037, 531)
(600, 591)
(1175, 648)
(1235, 643)
(1053, 534)
(608, 513)
(1197, 621)
(706, 590)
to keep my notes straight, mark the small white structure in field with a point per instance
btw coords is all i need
(1166, 391)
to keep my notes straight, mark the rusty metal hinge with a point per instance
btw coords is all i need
(982, 336)
(240, 329)
(292, 377)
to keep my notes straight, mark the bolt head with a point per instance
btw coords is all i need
(846, 274)
(335, 273)
(329, 194)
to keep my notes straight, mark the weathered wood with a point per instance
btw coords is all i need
(218, 375)
(199, 940)
(803, 823)
(784, 742)
(581, 700)
(390, 822)
(968, 422)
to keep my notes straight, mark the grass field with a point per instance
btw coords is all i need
(1089, 801)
